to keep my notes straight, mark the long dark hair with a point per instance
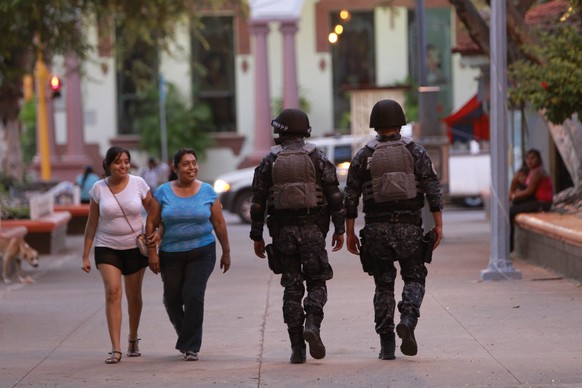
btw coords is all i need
(112, 154)
(88, 170)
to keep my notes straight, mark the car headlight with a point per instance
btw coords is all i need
(221, 186)
(342, 168)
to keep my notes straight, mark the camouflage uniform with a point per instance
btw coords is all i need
(297, 238)
(393, 232)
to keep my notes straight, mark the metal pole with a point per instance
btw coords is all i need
(427, 102)
(499, 264)
(421, 46)
(42, 79)
(163, 125)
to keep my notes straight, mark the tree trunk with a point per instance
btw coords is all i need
(568, 135)
(479, 29)
(518, 32)
(568, 140)
(10, 127)
(476, 27)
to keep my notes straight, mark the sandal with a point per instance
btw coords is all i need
(115, 357)
(133, 348)
(191, 356)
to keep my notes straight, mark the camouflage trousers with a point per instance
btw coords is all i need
(304, 258)
(387, 243)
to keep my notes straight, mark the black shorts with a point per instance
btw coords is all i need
(129, 261)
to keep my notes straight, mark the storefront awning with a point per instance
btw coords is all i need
(468, 123)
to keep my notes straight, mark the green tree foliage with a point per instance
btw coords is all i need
(56, 27)
(541, 64)
(183, 123)
(554, 86)
(28, 135)
(52, 27)
(411, 107)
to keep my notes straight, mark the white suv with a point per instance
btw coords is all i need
(234, 188)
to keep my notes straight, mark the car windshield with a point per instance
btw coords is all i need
(342, 154)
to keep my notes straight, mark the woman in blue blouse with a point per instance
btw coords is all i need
(85, 181)
(187, 210)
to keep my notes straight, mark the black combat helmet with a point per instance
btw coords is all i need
(292, 121)
(387, 114)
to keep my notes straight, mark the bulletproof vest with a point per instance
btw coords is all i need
(392, 169)
(295, 183)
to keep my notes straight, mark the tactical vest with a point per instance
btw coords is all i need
(392, 169)
(295, 183)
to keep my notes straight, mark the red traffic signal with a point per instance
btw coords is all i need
(55, 85)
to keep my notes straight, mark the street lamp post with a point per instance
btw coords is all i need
(431, 135)
(42, 79)
(499, 264)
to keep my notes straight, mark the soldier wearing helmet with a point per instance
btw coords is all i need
(393, 175)
(296, 186)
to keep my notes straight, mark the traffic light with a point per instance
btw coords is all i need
(55, 84)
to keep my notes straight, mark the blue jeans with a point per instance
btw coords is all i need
(185, 275)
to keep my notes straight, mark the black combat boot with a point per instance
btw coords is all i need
(311, 335)
(405, 330)
(297, 345)
(388, 345)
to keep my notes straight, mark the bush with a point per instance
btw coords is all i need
(15, 213)
(183, 123)
(28, 135)
(554, 86)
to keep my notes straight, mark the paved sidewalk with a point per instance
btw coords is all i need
(510, 333)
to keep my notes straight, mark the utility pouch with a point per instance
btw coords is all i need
(274, 259)
(322, 221)
(273, 226)
(428, 241)
(367, 260)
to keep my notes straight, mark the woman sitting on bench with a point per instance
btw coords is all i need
(536, 196)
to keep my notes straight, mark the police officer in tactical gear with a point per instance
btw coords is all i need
(297, 187)
(393, 175)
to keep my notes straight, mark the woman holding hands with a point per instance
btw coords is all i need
(115, 220)
(186, 211)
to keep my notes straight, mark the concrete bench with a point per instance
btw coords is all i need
(79, 214)
(551, 240)
(46, 234)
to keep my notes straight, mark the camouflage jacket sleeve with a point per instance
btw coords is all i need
(355, 181)
(426, 175)
(261, 183)
(333, 194)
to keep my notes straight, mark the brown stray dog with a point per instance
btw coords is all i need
(14, 250)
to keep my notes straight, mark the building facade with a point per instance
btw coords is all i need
(272, 58)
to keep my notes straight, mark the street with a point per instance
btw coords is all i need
(511, 333)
